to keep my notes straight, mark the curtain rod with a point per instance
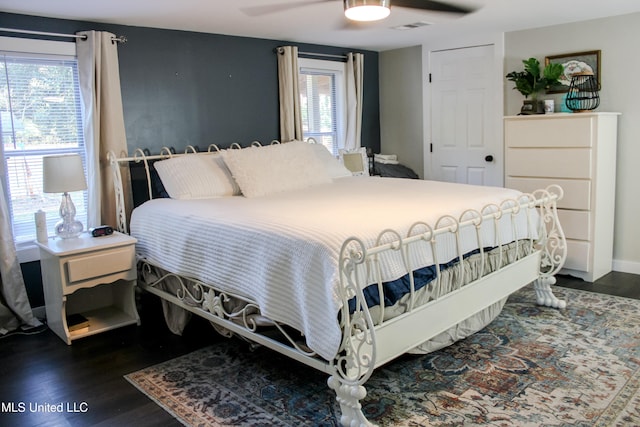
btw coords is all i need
(327, 55)
(280, 50)
(119, 39)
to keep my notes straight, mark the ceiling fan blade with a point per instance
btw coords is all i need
(278, 7)
(437, 6)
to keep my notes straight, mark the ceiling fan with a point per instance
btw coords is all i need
(363, 10)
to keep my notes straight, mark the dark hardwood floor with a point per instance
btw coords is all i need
(86, 380)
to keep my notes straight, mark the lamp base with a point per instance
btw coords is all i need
(68, 227)
(68, 230)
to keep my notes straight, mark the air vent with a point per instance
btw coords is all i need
(411, 26)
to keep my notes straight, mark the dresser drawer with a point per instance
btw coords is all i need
(577, 193)
(547, 162)
(572, 131)
(578, 255)
(102, 263)
(575, 224)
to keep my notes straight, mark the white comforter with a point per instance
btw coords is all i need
(282, 250)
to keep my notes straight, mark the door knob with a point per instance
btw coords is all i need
(489, 158)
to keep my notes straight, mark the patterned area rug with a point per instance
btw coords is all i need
(532, 366)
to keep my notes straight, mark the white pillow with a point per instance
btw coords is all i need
(260, 171)
(196, 176)
(334, 166)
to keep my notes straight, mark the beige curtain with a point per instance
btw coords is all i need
(15, 310)
(354, 82)
(99, 76)
(289, 94)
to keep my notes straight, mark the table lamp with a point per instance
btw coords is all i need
(62, 174)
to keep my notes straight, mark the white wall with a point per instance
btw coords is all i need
(617, 39)
(401, 105)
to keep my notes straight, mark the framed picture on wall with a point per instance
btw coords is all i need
(574, 63)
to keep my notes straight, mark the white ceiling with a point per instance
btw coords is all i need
(322, 21)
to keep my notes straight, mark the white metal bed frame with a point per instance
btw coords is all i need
(368, 343)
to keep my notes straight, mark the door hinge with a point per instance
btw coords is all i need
(431, 147)
(429, 77)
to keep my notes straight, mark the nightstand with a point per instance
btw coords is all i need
(93, 276)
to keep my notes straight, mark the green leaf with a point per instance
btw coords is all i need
(553, 72)
(532, 65)
(530, 82)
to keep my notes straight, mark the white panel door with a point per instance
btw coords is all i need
(466, 146)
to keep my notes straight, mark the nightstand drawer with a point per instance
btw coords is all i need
(104, 263)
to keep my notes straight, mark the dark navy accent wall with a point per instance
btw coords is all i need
(181, 88)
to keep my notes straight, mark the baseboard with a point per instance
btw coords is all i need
(626, 266)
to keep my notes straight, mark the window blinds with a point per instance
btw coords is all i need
(40, 114)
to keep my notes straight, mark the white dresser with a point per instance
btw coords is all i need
(578, 152)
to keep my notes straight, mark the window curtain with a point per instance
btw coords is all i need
(15, 310)
(354, 83)
(104, 130)
(289, 94)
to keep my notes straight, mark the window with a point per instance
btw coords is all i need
(40, 114)
(322, 102)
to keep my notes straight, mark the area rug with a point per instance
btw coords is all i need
(532, 366)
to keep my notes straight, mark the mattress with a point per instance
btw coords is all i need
(282, 250)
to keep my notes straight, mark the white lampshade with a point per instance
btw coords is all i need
(63, 173)
(366, 10)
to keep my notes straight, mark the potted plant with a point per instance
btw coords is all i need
(531, 82)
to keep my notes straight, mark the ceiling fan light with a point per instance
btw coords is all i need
(366, 10)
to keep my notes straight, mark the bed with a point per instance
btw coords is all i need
(281, 245)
